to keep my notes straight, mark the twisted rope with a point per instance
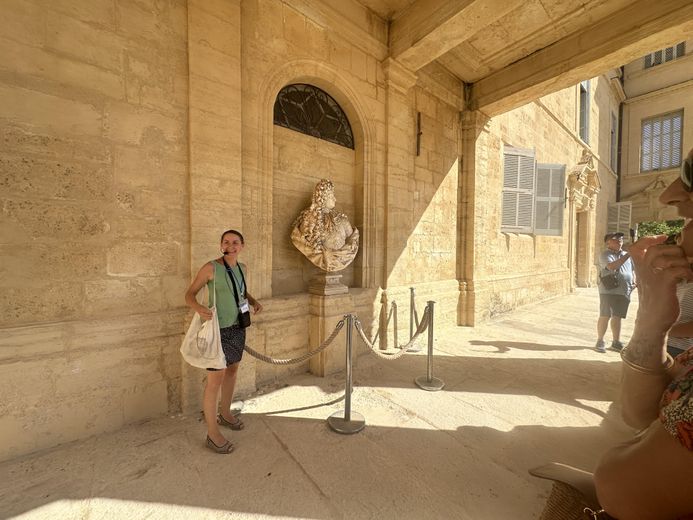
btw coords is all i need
(300, 359)
(403, 350)
(387, 324)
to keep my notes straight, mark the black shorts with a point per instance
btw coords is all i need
(613, 305)
(232, 343)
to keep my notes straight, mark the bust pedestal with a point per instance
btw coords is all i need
(325, 313)
(327, 284)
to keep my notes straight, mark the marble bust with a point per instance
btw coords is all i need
(323, 234)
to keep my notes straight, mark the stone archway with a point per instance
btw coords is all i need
(322, 311)
(323, 76)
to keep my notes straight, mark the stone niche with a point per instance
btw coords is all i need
(299, 162)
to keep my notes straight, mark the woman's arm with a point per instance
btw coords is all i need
(646, 478)
(204, 275)
(646, 366)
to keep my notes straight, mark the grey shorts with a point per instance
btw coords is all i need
(613, 305)
(232, 343)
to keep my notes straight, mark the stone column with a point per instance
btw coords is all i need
(215, 152)
(400, 123)
(474, 126)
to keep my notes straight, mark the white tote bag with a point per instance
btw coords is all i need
(202, 343)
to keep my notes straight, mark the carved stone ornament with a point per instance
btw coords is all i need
(583, 183)
(324, 235)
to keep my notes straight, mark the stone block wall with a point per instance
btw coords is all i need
(94, 226)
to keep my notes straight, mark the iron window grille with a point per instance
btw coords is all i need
(307, 109)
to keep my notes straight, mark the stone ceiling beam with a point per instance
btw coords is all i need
(430, 28)
(629, 34)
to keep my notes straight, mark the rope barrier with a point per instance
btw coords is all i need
(403, 350)
(274, 361)
(387, 323)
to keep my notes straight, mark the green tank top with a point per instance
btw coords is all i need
(227, 310)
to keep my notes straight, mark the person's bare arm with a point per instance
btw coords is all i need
(647, 478)
(646, 366)
(204, 275)
(616, 264)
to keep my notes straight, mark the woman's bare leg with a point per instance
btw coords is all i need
(227, 387)
(211, 395)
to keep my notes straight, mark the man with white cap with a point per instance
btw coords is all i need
(616, 266)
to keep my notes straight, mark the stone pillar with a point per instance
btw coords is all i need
(474, 125)
(325, 313)
(215, 151)
(400, 122)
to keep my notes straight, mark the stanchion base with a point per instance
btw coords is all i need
(338, 424)
(415, 348)
(433, 385)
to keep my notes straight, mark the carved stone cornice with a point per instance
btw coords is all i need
(398, 76)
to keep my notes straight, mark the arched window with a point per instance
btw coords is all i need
(309, 110)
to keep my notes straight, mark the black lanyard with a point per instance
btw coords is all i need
(233, 281)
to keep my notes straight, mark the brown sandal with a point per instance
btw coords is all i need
(235, 425)
(224, 449)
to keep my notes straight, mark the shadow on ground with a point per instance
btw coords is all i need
(297, 468)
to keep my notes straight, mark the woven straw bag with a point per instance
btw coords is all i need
(567, 502)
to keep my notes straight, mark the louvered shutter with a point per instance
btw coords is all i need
(657, 58)
(677, 127)
(681, 49)
(518, 190)
(661, 142)
(549, 199)
(646, 147)
(619, 218)
(614, 142)
(648, 61)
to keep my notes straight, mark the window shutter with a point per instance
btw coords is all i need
(677, 124)
(681, 49)
(619, 214)
(518, 190)
(661, 142)
(658, 58)
(646, 147)
(550, 199)
(664, 55)
(614, 142)
(584, 123)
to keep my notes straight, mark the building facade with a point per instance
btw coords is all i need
(657, 128)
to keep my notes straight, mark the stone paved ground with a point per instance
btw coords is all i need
(520, 391)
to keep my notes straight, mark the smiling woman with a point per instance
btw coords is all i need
(232, 299)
